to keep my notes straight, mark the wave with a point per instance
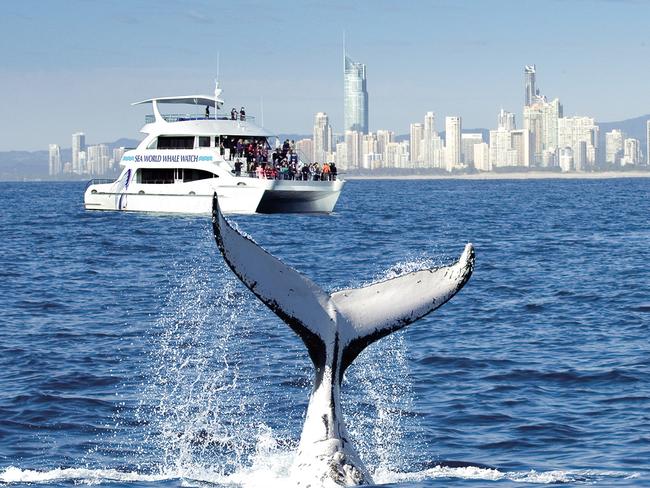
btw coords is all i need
(274, 472)
(13, 475)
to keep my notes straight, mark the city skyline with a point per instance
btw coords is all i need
(123, 52)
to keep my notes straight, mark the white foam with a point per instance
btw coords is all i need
(270, 468)
(475, 473)
(13, 474)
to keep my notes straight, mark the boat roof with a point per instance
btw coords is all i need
(207, 127)
(185, 99)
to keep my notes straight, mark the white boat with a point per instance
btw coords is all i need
(185, 159)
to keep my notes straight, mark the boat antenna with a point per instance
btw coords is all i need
(217, 90)
(262, 111)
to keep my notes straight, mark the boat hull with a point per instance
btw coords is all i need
(267, 196)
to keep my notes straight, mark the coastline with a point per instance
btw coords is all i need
(533, 175)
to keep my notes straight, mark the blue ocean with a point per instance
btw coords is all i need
(131, 356)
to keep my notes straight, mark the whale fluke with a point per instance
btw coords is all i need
(335, 329)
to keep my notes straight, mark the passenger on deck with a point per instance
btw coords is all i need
(333, 171)
(233, 114)
(207, 111)
(260, 171)
(305, 172)
(242, 114)
(239, 149)
(238, 168)
(326, 172)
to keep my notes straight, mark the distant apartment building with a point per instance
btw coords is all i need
(397, 155)
(614, 147)
(78, 146)
(384, 137)
(305, 149)
(631, 152)
(467, 143)
(506, 120)
(541, 120)
(97, 160)
(453, 129)
(322, 137)
(572, 131)
(416, 133)
(353, 140)
(647, 144)
(482, 156)
(54, 166)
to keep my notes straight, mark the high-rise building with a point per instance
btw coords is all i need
(572, 131)
(118, 152)
(614, 147)
(416, 138)
(482, 156)
(467, 142)
(631, 152)
(305, 149)
(322, 137)
(529, 81)
(97, 162)
(342, 155)
(78, 145)
(520, 144)
(541, 120)
(647, 144)
(384, 137)
(353, 139)
(397, 155)
(355, 96)
(429, 135)
(369, 154)
(506, 120)
(453, 129)
(500, 146)
(55, 160)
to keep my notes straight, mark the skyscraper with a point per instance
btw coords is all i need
(614, 146)
(55, 160)
(574, 130)
(355, 96)
(529, 80)
(429, 135)
(416, 137)
(506, 120)
(78, 145)
(453, 127)
(322, 137)
(647, 143)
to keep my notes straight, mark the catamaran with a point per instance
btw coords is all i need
(185, 158)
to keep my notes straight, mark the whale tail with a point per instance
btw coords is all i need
(349, 320)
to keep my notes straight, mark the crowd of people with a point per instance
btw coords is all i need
(282, 164)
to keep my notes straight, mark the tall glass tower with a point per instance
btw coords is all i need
(355, 96)
(529, 79)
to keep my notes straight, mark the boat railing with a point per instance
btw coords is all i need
(150, 119)
(99, 181)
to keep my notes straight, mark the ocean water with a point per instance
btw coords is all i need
(130, 356)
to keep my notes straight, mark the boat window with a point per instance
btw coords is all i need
(190, 174)
(154, 176)
(204, 141)
(175, 142)
(153, 144)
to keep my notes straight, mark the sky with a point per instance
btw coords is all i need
(77, 65)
